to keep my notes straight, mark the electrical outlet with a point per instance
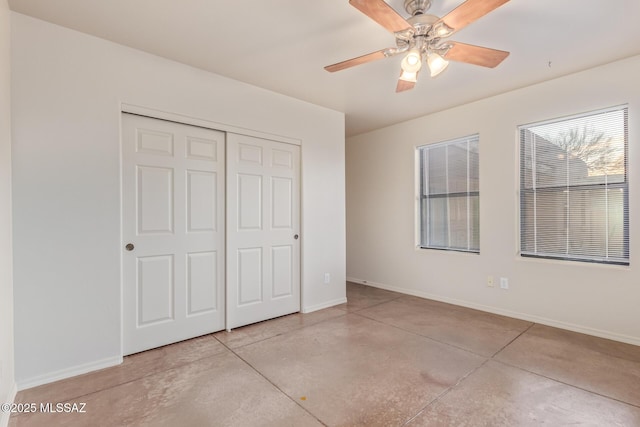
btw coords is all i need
(504, 283)
(327, 278)
(490, 281)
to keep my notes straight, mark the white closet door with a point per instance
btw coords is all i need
(173, 232)
(263, 226)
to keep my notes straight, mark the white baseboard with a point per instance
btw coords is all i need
(327, 304)
(69, 372)
(4, 416)
(495, 310)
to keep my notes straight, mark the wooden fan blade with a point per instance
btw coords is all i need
(476, 55)
(355, 61)
(382, 13)
(404, 85)
(470, 11)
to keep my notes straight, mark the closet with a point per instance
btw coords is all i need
(210, 230)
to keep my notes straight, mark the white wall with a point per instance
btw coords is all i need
(67, 92)
(381, 199)
(7, 384)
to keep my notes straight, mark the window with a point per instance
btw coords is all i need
(449, 195)
(574, 198)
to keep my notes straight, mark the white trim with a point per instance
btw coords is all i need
(4, 416)
(517, 315)
(195, 121)
(327, 304)
(69, 372)
(121, 222)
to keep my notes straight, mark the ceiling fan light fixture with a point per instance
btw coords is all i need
(413, 59)
(409, 77)
(412, 62)
(436, 63)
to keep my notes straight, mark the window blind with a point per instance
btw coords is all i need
(574, 199)
(450, 197)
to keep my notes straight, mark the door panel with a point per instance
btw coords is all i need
(155, 289)
(202, 200)
(282, 269)
(249, 154)
(281, 203)
(201, 274)
(155, 200)
(173, 215)
(202, 149)
(263, 220)
(249, 196)
(154, 142)
(249, 277)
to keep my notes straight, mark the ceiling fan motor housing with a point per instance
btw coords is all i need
(415, 7)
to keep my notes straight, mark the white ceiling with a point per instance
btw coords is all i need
(283, 45)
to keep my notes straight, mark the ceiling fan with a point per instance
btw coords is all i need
(421, 38)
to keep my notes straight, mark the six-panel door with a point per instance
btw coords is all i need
(263, 226)
(173, 224)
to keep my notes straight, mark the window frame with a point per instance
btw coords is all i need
(527, 254)
(422, 195)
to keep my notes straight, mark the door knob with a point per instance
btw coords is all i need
(296, 237)
(129, 247)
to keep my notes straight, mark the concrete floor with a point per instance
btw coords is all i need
(381, 359)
